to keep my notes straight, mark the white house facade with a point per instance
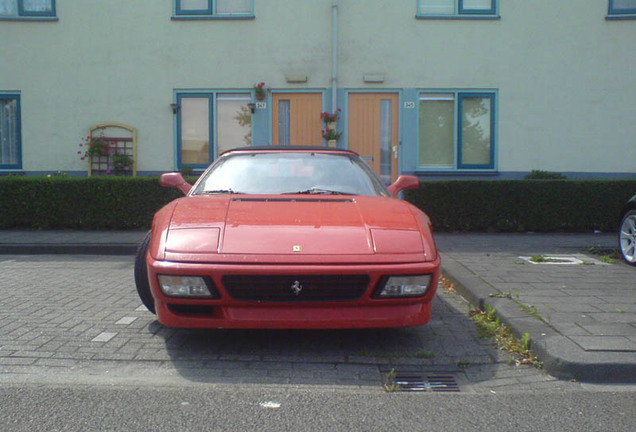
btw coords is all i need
(437, 88)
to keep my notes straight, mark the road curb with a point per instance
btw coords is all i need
(68, 249)
(561, 357)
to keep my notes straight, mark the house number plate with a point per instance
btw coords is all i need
(261, 105)
(409, 105)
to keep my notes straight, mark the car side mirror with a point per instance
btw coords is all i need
(404, 182)
(176, 180)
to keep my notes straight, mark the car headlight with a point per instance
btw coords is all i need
(186, 286)
(404, 286)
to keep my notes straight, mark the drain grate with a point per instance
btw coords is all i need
(425, 382)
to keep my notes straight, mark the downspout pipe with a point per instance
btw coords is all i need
(334, 56)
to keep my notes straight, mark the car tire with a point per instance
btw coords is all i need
(141, 274)
(627, 237)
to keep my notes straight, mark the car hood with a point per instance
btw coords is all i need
(295, 226)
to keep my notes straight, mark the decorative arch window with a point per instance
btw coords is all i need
(116, 150)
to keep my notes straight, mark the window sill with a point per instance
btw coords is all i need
(459, 17)
(211, 17)
(26, 19)
(620, 17)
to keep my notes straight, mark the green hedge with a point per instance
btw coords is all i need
(81, 203)
(519, 205)
(523, 205)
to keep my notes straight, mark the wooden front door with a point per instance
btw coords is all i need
(296, 119)
(372, 131)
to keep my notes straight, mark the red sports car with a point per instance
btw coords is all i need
(288, 238)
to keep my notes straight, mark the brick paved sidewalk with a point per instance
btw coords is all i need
(581, 315)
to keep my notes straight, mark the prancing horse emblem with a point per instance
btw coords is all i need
(296, 288)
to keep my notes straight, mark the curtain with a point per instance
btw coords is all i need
(9, 7)
(8, 131)
(38, 5)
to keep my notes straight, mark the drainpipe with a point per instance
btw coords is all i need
(334, 56)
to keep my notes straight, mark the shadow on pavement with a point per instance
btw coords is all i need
(448, 343)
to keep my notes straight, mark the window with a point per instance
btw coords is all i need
(215, 8)
(10, 140)
(27, 8)
(456, 131)
(209, 124)
(456, 8)
(622, 8)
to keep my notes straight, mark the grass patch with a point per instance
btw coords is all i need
(489, 326)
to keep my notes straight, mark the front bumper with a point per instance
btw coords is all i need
(225, 312)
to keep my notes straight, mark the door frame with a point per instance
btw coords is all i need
(345, 119)
(271, 107)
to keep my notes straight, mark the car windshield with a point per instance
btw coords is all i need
(305, 172)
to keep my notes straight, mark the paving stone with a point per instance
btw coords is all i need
(605, 343)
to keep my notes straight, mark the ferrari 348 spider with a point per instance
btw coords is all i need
(288, 238)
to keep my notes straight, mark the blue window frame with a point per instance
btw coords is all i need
(457, 8)
(16, 9)
(622, 8)
(209, 123)
(456, 131)
(10, 132)
(238, 9)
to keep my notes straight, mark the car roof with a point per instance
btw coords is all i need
(289, 149)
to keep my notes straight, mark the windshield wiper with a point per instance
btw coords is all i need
(317, 191)
(218, 191)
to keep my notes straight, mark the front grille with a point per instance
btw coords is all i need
(305, 288)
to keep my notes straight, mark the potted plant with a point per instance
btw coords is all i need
(331, 136)
(120, 163)
(260, 91)
(330, 119)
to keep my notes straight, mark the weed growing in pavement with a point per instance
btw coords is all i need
(500, 295)
(604, 252)
(446, 284)
(606, 259)
(490, 326)
(389, 382)
(531, 310)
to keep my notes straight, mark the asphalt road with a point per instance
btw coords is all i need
(241, 408)
(78, 353)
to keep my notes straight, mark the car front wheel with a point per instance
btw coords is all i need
(141, 275)
(627, 237)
